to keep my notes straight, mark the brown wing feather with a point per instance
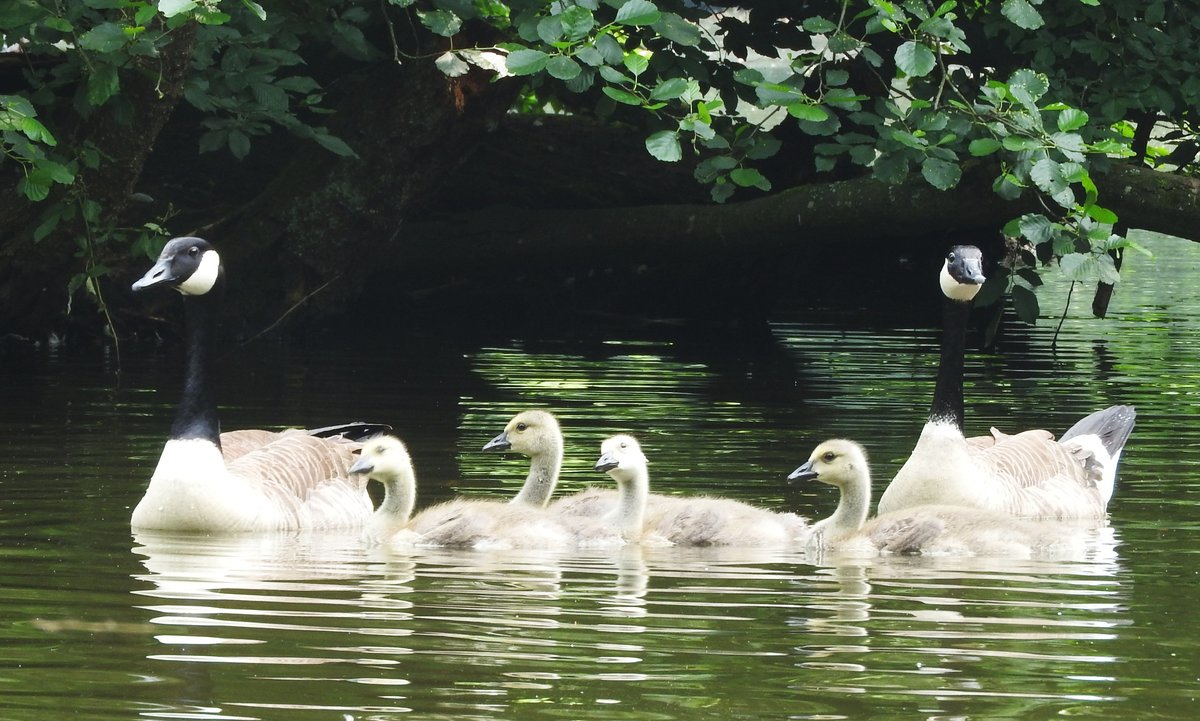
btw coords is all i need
(296, 468)
(1044, 478)
(235, 444)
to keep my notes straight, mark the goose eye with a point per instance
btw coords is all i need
(624, 445)
(522, 426)
(950, 256)
(193, 250)
(829, 456)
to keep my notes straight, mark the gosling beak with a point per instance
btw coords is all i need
(361, 465)
(606, 462)
(803, 473)
(499, 443)
(157, 275)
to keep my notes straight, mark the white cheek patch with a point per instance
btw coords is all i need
(205, 277)
(954, 290)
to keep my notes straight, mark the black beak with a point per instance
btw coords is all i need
(361, 465)
(606, 462)
(499, 443)
(803, 473)
(157, 275)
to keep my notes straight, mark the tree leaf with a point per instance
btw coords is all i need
(1036, 228)
(239, 144)
(914, 59)
(1017, 143)
(1101, 215)
(1022, 14)
(749, 178)
(1027, 87)
(1071, 119)
(941, 174)
(441, 22)
(451, 65)
(980, 147)
(254, 8)
(621, 96)
(1078, 266)
(636, 63)
(102, 84)
(805, 111)
(677, 30)
(171, 8)
(577, 21)
(818, 25)
(333, 144)
(526, 61)
(665, 146)
(1046, 176)
(1025, 303)
(104, 38)
(638, 12)
(610, 49)
(563, 67)
(669, 89)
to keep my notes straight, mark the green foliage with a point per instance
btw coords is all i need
(246, 78)
(1039, 91)
(887, 88)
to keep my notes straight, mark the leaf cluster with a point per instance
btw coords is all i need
(1037, 89)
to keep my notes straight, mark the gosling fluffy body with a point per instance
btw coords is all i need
(688, 521)
(459, 523)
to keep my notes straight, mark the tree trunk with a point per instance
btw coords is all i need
(702, 258)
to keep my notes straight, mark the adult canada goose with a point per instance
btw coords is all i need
(538, 435)
(460, 523)
(926, 529)
(686, 521)
(1028, 474)
(244, 480)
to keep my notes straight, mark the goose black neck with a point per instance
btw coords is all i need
(196, 416)
(948, 393)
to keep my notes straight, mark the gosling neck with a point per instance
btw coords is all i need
(633, 487)
(853, 506)
(544, 468)
(400, 494)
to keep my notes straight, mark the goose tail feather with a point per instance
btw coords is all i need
(354, 431)
(1111, 426)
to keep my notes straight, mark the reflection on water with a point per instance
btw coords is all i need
(318, 626)
(625, 633)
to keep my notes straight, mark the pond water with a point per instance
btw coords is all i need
(97, 623)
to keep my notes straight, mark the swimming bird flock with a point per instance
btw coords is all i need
(1022, 494)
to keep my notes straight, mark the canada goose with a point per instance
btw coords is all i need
(1028, 474)
(687, 521)
(265, 480)
(926, 529)
(459, 523)
(538, 435)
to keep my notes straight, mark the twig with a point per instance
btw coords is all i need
(1063, 317)
(289, 311)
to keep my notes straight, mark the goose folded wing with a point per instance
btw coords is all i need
(290, 469)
